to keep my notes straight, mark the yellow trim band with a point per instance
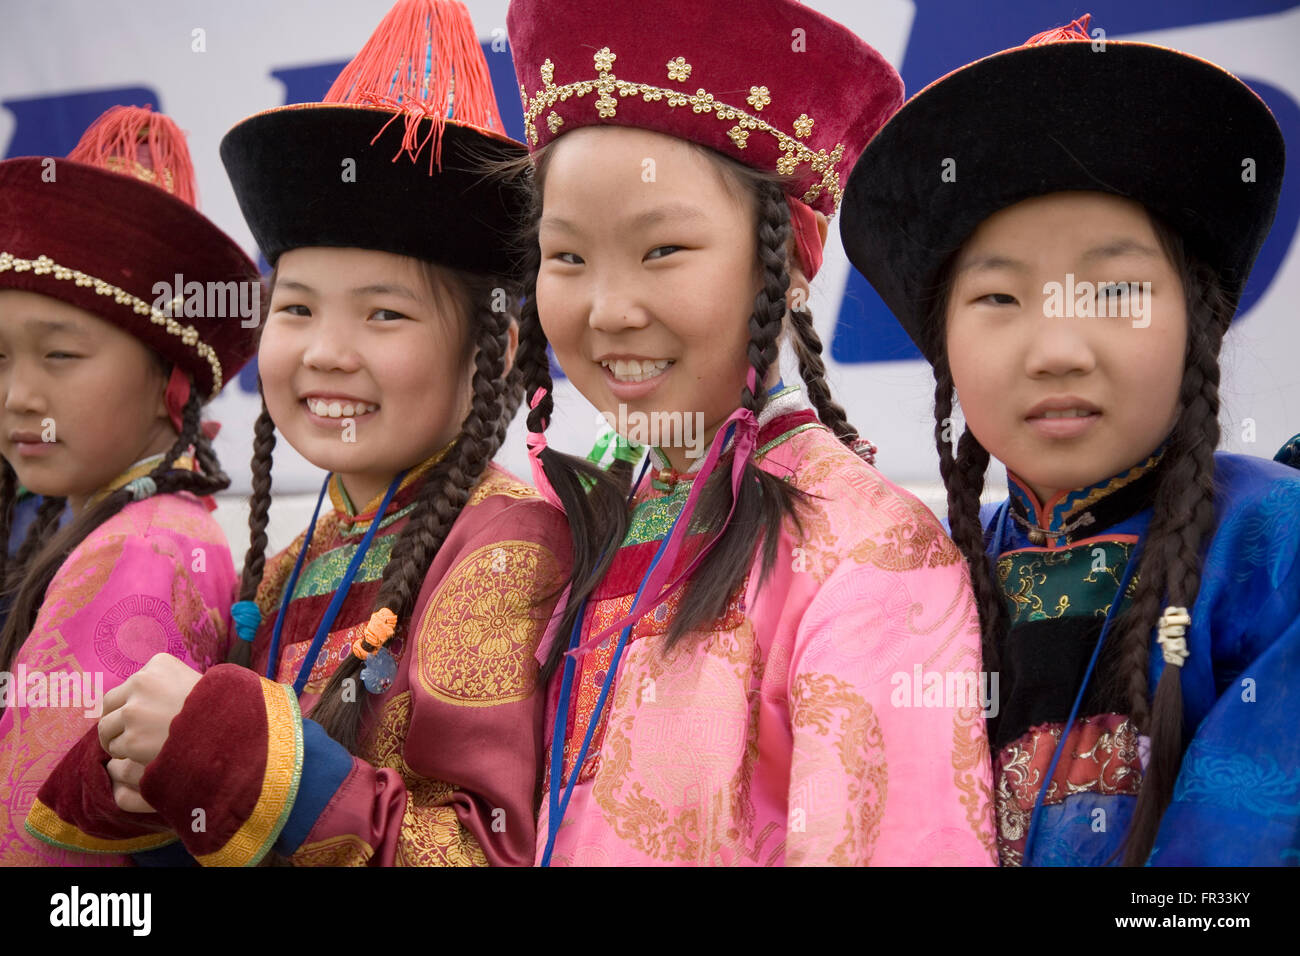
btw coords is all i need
(284, 753)
(48, 827)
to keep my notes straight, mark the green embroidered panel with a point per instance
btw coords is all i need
(1072, 582)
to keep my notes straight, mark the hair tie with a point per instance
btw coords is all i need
(1172, 626)
(141, 488)
(378, 630)
(537, 445)
(864, 449)
(380, 667)
(248, 618)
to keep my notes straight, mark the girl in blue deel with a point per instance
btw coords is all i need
(1065, 229)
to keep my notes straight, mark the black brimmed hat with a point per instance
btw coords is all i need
(1178, 134)
(347, 172)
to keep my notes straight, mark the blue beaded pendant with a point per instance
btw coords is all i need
(379, 670)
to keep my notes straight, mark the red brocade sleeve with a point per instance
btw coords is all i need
(454, 754)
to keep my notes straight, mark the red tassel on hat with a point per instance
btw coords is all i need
(423, 61)
(1075, 30)
(136, 141)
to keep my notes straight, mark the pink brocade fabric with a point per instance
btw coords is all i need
(157, 577)
(782, 736)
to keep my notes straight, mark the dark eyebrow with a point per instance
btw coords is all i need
(649, 217)
(54, 327)
(555, 222)
(381, 288)
(384, 288)
(292, 284)
(677, 210)
(988, 262)
(1119, 247)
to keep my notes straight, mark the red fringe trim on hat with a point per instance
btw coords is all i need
(1075, 30)
(136, 141)
(423, 61)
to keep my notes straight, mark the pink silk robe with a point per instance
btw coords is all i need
(157, 576)
(782, 735)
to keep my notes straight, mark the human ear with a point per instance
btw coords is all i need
(162, 379)
(512, 346)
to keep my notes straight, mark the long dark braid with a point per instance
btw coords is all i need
(808, 349)
(259, 506)
(48, 515)
(43, 565)
(963, 476)
(763, 500)
(593, 499)
(1169, 573)
(8, 501)
(444, 493)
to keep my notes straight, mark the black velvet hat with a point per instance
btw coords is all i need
(1176, 133)
(348, 171)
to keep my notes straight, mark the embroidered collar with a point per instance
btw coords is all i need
(1071, 515)
(355, 521)
(785, 402)
(138, 470)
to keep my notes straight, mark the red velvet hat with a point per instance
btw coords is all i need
(1062, 112)
(421, 82)
(100, 229)
(786, 90)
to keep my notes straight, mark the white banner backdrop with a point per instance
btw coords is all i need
(209, 64)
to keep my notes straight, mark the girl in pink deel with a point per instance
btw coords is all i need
(102, 380)
(729, 661)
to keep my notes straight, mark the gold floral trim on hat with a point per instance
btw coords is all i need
(795, 153)
(44, 265)
(141, 172)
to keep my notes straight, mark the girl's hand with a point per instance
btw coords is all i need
(138, 714)
(126, 775)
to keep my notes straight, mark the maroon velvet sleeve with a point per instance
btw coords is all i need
(75, 809)
(227, 776)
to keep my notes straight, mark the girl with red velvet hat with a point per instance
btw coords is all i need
(384, 709)
(731, 656)
(1139, 591)
(103, 380)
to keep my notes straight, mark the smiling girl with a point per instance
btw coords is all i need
(728, 656)
(101, 397)
(397, 720)
(1139, 591)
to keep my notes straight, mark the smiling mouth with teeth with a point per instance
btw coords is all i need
(634, 370)
(318, 406)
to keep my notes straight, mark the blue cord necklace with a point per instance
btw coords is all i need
(340, 593)
(558, 805)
